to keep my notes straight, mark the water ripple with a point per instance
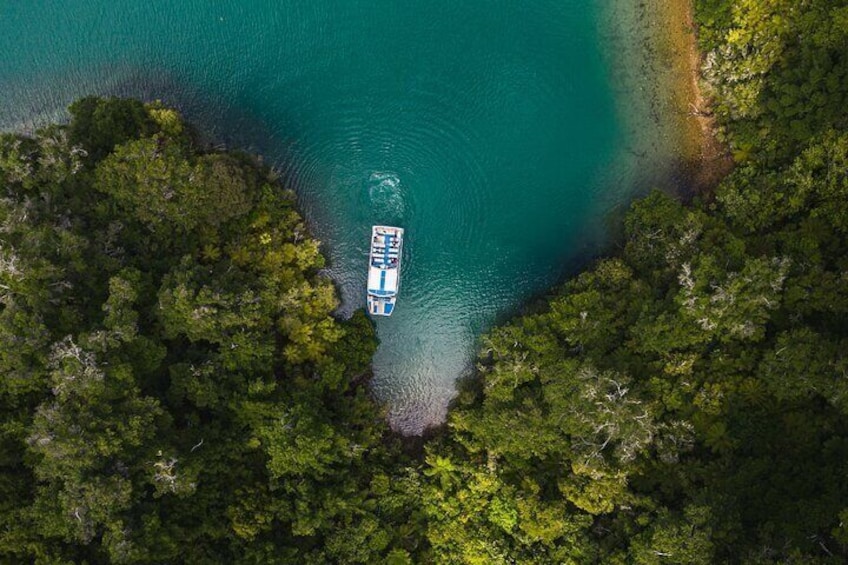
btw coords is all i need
(487, 129)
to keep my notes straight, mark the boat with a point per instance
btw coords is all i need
(384, 269)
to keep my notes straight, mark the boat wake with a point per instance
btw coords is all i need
(386, 196)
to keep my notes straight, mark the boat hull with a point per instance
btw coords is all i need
(384, 262)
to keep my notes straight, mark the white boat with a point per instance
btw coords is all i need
(384, 269)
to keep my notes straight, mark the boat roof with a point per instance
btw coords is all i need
(384, 268)
(382, 282)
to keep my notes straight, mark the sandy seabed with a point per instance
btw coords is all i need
(655, 66)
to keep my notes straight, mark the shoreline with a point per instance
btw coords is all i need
(703, 159)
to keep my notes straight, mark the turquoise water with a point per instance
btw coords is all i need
(492, 131)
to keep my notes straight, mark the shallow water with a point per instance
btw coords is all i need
(499, 134)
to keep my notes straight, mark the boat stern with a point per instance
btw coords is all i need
(378, 306)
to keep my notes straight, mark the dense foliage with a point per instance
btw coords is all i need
(685, 401)
(174, 388)
(778, 70)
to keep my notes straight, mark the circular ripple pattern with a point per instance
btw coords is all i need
(488, 130)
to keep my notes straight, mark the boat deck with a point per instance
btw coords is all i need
(384, 269)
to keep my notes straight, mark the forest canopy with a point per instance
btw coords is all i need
(176, 389)
(174, 385)
(685, 400)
